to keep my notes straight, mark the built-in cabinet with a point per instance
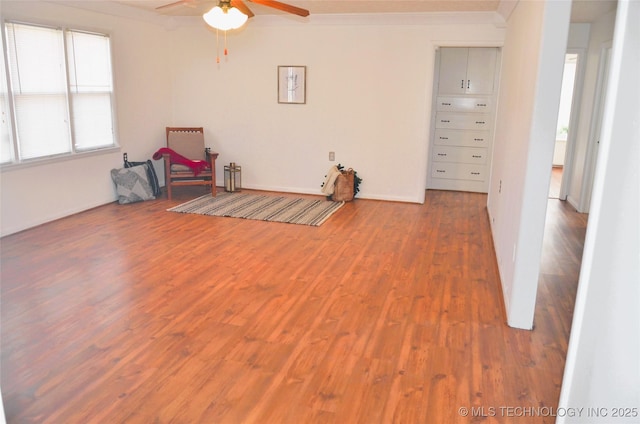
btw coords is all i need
(460, 150)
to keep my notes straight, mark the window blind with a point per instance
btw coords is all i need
(90, 85)
(38, 83)
(6, 145)
(61, 87)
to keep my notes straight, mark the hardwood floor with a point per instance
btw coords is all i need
(556, 182)
(388, 312)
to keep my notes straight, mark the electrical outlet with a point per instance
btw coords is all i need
(332, 156)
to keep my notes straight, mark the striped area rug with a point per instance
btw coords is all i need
(292, 210)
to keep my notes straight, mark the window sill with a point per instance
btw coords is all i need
(57, 159)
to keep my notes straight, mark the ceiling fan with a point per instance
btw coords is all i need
(232, 14)
(240, 5)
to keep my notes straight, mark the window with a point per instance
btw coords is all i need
(60, 91)
(6, 145)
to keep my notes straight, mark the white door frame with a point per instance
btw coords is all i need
(576, 100)
(594, 128)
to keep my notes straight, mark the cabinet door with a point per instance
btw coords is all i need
(481, 67)
(453, 70)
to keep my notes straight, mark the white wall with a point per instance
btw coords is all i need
(603, 362)
(601, 32)
(31, 195)
(368, 99)
(532, 62)
(369, 82)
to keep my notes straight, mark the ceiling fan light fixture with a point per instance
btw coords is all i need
(225, 18)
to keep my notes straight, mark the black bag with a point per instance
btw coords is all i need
(151, 173)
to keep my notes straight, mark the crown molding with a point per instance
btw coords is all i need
(506, 7)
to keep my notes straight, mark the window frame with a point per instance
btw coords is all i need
(75, 152)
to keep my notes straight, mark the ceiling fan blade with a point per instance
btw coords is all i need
(283, 6)
(241, 6)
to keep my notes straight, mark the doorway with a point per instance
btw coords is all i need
(563, 127)
(596, 123)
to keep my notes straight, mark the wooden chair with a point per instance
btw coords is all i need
(188, 142)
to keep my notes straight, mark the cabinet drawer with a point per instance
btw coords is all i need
(463, 104)
(458, 171)
(463, 121)
(460, 154)
(470, 138)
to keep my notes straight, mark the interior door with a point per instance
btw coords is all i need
(566, 124)
(594, 138)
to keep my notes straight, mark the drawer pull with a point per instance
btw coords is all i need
(444, 138)
(481, 104)
(476, 156)
(478, 139)
(442, 154)
(446, 104)
(441, 171)
(480, 122)
(443, 120)
(475, 173)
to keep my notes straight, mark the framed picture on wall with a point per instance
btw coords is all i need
(292, 84)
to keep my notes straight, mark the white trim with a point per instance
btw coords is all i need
(3, 418)
(595, 129)
(506, 7)
(572, 202)
(576, 101)
(298, 190)
(50, 218)
(30, 163)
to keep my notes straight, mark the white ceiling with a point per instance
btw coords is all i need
(582, 11)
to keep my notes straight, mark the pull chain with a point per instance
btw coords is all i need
(217, 47)
(226, 51)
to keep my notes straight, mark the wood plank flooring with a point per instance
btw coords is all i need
(556, 182)
(388, 312)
